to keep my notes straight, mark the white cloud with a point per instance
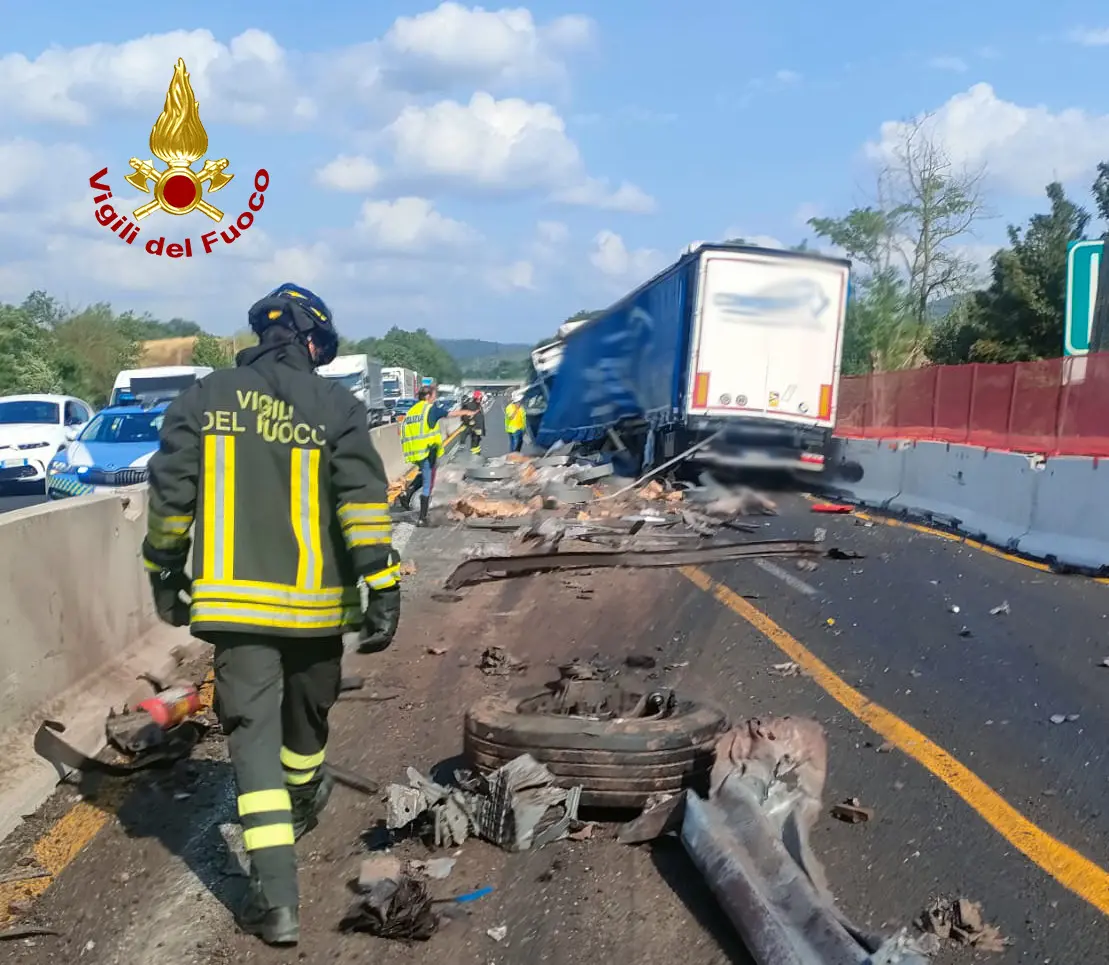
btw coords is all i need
(508, 143)
(612, 258)
(246, 80)
(453, 43)
(502, 145)
(596, 193)
(520, 275)
(954, 64)
(805, 211)
(1022, 148)
(552, 232)
(1090, 36)
(410, 225)
(355, 173)
(787, 77)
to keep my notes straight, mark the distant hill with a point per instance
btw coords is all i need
(464, 350)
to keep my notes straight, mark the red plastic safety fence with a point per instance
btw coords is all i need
(1053, 406)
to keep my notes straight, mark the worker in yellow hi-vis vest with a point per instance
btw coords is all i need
(421, 437)
(275, 468)
(515, 421)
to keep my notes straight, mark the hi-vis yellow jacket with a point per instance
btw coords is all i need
(276, 469)
(515, 418)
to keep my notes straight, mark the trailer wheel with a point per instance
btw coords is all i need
(618, 763)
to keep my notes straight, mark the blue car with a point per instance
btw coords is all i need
(111, 452)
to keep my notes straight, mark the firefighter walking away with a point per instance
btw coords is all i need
(273, 472)
(473, 419)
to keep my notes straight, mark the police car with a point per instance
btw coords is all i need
(111, 452)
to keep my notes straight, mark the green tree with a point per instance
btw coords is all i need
(213, 352)
(905, 246)
(1020, 315)
(91, 349)
(26, 351)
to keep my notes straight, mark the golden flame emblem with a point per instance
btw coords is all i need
(179, 140)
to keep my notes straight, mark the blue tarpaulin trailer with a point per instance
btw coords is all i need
(734, 340)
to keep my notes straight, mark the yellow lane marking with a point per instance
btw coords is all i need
(1071, 869)
(71, 833)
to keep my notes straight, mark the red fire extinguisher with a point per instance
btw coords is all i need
(173, 705)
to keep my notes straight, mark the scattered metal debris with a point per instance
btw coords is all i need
(498, 662)
(178, 742)
(434, 868)
(662, 814)
(960, 922)
(393, 908)
(1002, 609)
(807, 566)
(26, 931)
(787, 669)
(1063, 718)
(750, 839)
(852, 811)
(516, 807)
(498, 934)
(478, 570)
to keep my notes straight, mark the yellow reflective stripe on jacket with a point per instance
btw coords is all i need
(383, 579)
(304, 510)
(274, 594)
(167, 532)
(268, 836)
(219, 507)
(366, 524)
(258, 614)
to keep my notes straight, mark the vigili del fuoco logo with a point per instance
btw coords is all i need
(178, 139)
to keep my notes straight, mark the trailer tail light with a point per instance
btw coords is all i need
(812, 458)
(701, 390)
(825, 409)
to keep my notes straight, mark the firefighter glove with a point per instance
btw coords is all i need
(168, 585)
(379, 621)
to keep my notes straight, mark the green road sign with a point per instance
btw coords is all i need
(1083, 261)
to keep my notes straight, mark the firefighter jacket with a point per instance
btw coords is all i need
(418, 438)
(515, 420)
(274, 469)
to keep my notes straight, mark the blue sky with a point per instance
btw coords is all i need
(501, 168)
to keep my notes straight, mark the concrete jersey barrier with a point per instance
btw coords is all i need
(1047, 509)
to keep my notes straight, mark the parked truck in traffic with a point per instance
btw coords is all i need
(732, 346)
(399, 383)
(363, 376)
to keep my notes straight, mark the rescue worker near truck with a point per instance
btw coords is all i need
(515, 421)
(473, 418)
(274, 468)
(421, 436)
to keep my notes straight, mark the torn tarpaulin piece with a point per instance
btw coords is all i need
(516, 807)
(393, 908)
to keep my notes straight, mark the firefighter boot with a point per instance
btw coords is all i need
(309, 800)
(422, 521)
(275, 926)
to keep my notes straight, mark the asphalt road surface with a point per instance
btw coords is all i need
(938, 714)
(16, 499)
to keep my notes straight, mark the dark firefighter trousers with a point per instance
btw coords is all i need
(473, 439)
(272, 697)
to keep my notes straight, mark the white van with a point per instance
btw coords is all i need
(164, 381)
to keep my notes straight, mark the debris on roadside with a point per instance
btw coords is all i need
(408, 568)
(835, 553)
(831, 508)
(435, 868)
(498, 934)
(1105, 662)
(397, 908)
(437, 651)
(960, 922)
(378, 867)
(498, 662)
(787, 669)
(807, 566)
(640, 661)
(750, 840)
(466, 507)
(516, 807)
(1063, 718)
(852, 811)
(1002, 609)
(661, 814)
